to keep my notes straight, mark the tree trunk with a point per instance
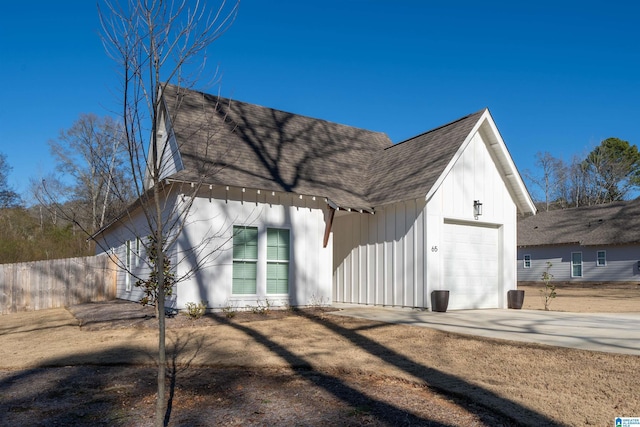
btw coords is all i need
(161, 405)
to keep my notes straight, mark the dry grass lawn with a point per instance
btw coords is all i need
(586, 298)
(306, 368)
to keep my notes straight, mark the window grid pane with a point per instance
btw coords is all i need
(576, 264)
(277, 278)
(245, 242)
(244, 277)
(277, 261)
(277, 244)
(602, 258)
(245, 259)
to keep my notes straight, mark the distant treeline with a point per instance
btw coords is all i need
(34, 234)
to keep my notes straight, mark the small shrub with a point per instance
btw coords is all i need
(263, 308)
(549, 290)
(317, 301)
(196, 311)
(230, 309)
(288, 306)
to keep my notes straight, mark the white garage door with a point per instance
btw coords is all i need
(470, 257)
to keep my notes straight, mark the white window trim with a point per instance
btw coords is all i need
(128, 254)
(581, 264)
(137, 260)
(526, 259)
(598, 258)
(275, 261)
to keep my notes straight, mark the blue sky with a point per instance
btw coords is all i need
(557, 76)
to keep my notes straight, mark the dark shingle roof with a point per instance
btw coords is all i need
(409, 169)
(267, 149)
(610, 224)
(263, 148)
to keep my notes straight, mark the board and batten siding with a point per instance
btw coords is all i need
(379, 257)
(621, 263)
(395, 257)
(475, 176)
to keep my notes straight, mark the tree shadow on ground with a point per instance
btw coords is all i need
(85, 389)
(447, 384)
(91, 395)
(384, 412)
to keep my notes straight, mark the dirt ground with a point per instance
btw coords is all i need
(93, 364)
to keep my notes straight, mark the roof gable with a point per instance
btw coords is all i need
(409, 169)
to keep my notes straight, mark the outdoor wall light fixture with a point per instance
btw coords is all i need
(477, 208)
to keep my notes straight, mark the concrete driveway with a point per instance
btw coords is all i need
(613, 333)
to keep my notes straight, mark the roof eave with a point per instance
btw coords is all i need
(498, 148)
(540, 245)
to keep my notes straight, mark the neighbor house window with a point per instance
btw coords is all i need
(527, 261)
(245, 259)
(576, 264)
(602, 259)
(277, 261)
(127, 263)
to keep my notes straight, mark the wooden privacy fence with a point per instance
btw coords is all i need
(37, 285)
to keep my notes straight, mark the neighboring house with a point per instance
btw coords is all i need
(598, 243)
(307, 211)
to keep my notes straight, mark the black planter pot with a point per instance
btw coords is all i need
(439, 301)
(515, 299)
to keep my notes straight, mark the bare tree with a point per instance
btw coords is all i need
(39, 190)
(92, 152)
(8, 197)
(607, 174)
(567, 184)
(574, 184)
(155, 43)
(552, 178)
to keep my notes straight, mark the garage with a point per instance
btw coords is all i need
(470, 257)
(441, 221)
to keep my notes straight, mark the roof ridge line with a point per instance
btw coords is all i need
(438, 128)
(232, 100)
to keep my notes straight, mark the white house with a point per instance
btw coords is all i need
(301, 210)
